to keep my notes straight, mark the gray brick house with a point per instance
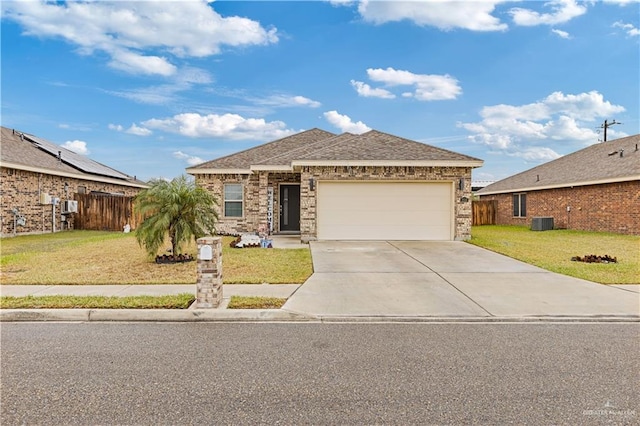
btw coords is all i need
(38, 176)
(594, 189)
(373, 186)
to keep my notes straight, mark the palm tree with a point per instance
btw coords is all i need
(178, 208)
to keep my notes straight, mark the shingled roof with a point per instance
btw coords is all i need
(317, 147)
(605, 162)
(20, 150)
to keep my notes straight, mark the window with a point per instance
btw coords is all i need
(233, 199)
(82, 189)
(520, 205)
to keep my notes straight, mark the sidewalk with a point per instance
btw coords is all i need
(261, 290)
(222, 314)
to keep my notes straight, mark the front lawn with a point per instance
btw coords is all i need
(93, 257)
(179, 301)
(553, 250)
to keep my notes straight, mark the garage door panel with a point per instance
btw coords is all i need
(384, 211)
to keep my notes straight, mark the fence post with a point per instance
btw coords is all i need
(209, 264)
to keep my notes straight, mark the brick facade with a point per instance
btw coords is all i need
(21, 190)
(255, 193)
(611, 207)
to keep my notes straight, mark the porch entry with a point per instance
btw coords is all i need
(289, 208)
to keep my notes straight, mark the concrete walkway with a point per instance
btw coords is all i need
(446, 279)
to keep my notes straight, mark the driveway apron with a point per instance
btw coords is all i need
(440, 279)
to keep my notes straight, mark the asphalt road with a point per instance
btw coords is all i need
(213, 373)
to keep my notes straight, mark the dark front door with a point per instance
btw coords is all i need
(289, 207)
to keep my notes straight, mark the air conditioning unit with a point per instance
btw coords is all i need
(542, 224)
(69, 206)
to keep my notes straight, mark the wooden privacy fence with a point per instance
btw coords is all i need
(104, 212)
(484, 212)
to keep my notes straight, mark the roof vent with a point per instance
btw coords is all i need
(621, 153)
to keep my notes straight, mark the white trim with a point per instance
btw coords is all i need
(219, 171)
(372, 163)
(261, 167)
(561, 185)
(390, 163)
(91, 178)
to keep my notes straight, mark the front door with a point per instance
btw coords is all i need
(289, 208)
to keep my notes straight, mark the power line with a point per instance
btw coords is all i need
(606, 125)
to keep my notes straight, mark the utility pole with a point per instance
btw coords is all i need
(606, 125)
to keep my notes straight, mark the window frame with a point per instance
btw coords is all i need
(234, 201)
(519, 204)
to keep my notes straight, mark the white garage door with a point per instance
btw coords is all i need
(384, 211)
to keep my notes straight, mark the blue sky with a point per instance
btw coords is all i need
(152, 87)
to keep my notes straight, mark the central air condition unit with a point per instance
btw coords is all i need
(69, 206)
(542, 224)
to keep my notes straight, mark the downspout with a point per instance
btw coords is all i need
(39, 195)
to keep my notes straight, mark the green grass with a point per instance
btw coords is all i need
(93, 257)
(243, 302)
(180, 301)
(553, 250)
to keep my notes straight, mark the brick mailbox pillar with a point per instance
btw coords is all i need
(209, 284)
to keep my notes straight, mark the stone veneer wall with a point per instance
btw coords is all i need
(21, 189)
(255, 193)
(611, 207)
(255, 198)
(462, 209)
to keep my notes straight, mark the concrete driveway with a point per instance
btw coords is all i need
(443, 279)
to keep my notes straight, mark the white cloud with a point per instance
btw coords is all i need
(185, 79)
(367, 91)
(561, 34)
(284, 101)
(124, 30)
(536, 154)
(79, 147)
(523, 130)
(227, 126)
(628, 28)
(562, 11)
(190, 159)
(622, 2)
(138, 131)
(445, 15)
(344, 123)
(426, 87)
(116, 127)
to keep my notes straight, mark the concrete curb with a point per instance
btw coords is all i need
(271, 315)
(479, 320)
(149, 315)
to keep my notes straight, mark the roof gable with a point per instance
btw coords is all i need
(612, 161)
(319, 147)
(378, 146)
(256, 155)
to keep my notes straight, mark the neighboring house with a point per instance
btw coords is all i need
(39, 176)
(594, 189)
(373, 186)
